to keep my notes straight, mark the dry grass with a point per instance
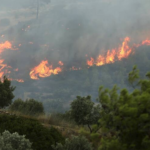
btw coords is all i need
(65, 127)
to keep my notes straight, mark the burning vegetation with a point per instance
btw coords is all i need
(44, 69)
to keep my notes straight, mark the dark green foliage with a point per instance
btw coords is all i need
(84, 112)
(28, 107)
(125, 117)
(42, 138)
(75, 143)
(14, 141)
(6, 94)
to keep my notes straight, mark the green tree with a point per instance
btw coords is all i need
(125, 117)
(6, 92)
(14, 141)
(75, 143)
(84, 112)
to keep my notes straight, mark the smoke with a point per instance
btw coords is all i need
(68, 31)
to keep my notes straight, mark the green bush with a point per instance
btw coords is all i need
(42, 138)
(14, 141)
(75, 143)
(29, 107)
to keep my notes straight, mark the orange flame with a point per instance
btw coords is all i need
(43, 70)
(90, 62)
(146, 42)
(60, 63)
(5, 45)
(115, 54)
(124, 51)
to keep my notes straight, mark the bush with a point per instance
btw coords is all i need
(75, 143)
(29, 107)
(14, 141)
(42, 138)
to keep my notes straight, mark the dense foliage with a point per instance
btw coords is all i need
(125, 117)
(14, 141)
(39, 136)
(84, 112)
(6, 92)
(75, 143)
(28, 107)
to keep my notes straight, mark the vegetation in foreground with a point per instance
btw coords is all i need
(119, 120)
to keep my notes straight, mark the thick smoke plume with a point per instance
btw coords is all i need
(68, 31)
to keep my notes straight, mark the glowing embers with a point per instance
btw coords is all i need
(111, 56)
(44, 70)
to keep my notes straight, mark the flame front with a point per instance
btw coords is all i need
(3, 46)
(112, 55)
(43, 70)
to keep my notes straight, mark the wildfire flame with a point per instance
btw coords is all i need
(43, 70)
(3, 46)
(112, 55)
(60, 63)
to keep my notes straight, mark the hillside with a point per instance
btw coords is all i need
(57, 91)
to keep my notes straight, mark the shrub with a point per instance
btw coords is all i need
(14, 141)
(42, 138)
(75, 143)
(29, 107)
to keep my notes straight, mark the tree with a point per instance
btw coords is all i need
(28, 107)
(14, 141)
(6, 92)
(75, 143)
(125, 117)
(84, 112)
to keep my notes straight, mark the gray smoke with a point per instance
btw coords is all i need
(67, 30)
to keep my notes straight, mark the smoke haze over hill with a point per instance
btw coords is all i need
(68, 31)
